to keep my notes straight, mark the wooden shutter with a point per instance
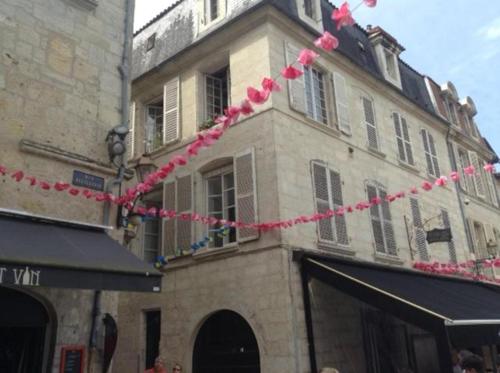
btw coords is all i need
(322, 200)
(458, 167)
(246, 194)
(171, 116)
(131, 134)
(376, 221)
(370, 122)
(491, 187)
(337, 200)
(435, 163)
(407, 141)
(430, 154)
(184, 194)
(399, 137)
(472, 235)
(478, 179)
(390, 239)
(296, 87)
(169, 224)
(420, 238)
(451, 245)
(341, 102)
(490, 235)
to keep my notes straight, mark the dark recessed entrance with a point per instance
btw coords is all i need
(226, 344)
(23, 327)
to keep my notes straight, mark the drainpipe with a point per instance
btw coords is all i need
(454, 164)
(124, 70)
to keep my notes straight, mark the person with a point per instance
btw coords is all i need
(328, 370)
(455, 360)
(177, 368)
(159, 366)
(472, 364)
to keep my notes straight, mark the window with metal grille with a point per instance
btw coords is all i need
(328, 195)
(221, 204)
(216, 93)
(403, 139)
(371, 128)
(309, 8)
(430, 154)
(381, 221)
(315, 94)
(154, 125)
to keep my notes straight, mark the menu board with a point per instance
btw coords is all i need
(72, 359)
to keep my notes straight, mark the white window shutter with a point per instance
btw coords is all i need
(490, 235)
(296, 87)
(171, 115)
(407, 141)
(341, 102)
(337, 200)
(184, 228)
(459, 168)
(371, 128)
(451, 245)
(399, 136)
(430, 154)
(420, 238)
(492, 188)
(390, 237)
(478, 179)
(169, 224)
(246, 194)
(472, 236)
(322, 200)
(131, 134)
(435, 163)
(376, 221)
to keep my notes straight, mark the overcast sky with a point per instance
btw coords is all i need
(456, 40)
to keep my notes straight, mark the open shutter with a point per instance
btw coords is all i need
(340, 221)
(472, 236)
(246, 194)
(458, 167)
(131, 133)
(322, 200)
(376, 221)
(478, 179)
(371, 128)
(341, 102)
(169, 230)
(390, 239)
(451, 245)
(407, 141)
(184, 194)
(296, 87)
(420, 238)
(171, 117)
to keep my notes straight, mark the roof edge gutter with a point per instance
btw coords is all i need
(470, 322)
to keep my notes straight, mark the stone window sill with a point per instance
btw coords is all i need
(88, 4)
(339, 249)
(215, 251)
(408, 166)
(376, 152)
(387, 258)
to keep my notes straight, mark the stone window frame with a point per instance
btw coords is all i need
(88, 4)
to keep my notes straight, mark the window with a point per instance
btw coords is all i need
(315, 94)
(419, 232)
(451, 245)
(466, 182)
(371, 127)
(216, 93)
(152, 337)
(403, 139)
(221, 204)
(391, 65)
(152, 230)
(328, 195)
(381, 221)
(309, 8)
(452, 111)
(211, 10)
(430, 154)
(154, 126)
(341, 102)
(479, 182)
(151, 42)
(479, 240)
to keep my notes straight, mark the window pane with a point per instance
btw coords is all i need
(229, 198)
(214, 204)
(308, 6)
(214, 185)
(229, 180)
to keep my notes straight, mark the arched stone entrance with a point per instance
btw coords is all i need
(226, 344)
(24, 333)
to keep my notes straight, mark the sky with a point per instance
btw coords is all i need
(448, 40)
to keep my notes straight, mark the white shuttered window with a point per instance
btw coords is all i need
(171, 115)
(131, 133)
(246, 194)
(381, 221)
(341, 103)
(403, 139)
(371, 128)
(328, 195)
(478, 176)
(296, 87)
(419, 232)
(430, 154)
(451, 245)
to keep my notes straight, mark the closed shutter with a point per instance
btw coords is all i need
(432, 146)
(168, 236)
(376, 221)
(399, 137)
(420, 238)
(459, 168)
(341, 103)
(472, 235)
(407, 141)
(451, 245)
(371, 128)
(491, 186)
(430, 154)
(246, 194)
(184, 194)
(390, 239)
(296, 87)
(340, 221)
(478, 179)
(171, 116)
(131, 133)
(322, 199)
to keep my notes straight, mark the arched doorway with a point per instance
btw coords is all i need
(23, 333)
(226, 344)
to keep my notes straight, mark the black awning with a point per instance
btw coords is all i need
(36, 251)
(469, 310)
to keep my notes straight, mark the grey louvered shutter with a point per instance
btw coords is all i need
(399, 137)
(458, 167)
(322, 199)
(371, 128)
(131, 133)
(171, 115)
(246, 194)
(390, 239)
(376, 221)
(169, 229)
(451, 245)
(341, 103)
(296, 87)
(420, 239)
(427, 151)
(478, 180)
(472, 236)
(340, 221)
(407, 141)
(492, 188)
(184, 194)
(432, 147)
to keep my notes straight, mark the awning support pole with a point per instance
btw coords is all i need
(308, 318)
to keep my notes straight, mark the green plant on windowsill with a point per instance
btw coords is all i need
(209, 123)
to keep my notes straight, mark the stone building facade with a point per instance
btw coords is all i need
(360, 124)
(60, 94)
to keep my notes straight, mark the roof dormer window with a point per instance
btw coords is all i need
(150, 44)
(309, 8)
(310, 13)
(391, 64)
(211, 10)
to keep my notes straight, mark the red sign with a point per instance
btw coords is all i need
(72, 359)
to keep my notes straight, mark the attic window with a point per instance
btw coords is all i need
(309, 8)
(390, 64)
(151, 42)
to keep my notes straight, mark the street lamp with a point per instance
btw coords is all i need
(144, 167)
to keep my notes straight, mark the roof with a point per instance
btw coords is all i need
(70, 255)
